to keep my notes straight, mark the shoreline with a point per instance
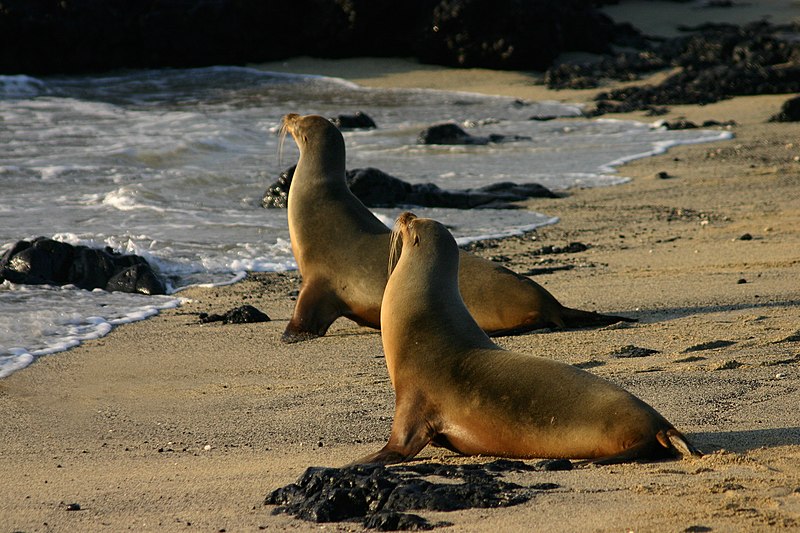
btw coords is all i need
(349, 67)
(167, 424)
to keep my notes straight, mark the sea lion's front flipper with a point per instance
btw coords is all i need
(315, 311)
(411, 432)
(398, 450)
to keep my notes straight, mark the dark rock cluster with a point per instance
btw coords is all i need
(379, 497)
(358, 120)
(790, 111)
(245, 314)
(625, 66)
(69, 36)
(375, 188)
(714, 61)
(48, 262)
(513, 34)
(683, 124)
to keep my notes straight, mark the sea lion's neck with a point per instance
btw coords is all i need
(321, 169)
(422, 308)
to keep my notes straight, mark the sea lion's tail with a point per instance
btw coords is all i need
(576, 318)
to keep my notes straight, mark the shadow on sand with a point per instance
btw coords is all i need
(743, 441)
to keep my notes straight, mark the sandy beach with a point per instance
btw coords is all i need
(173, 425)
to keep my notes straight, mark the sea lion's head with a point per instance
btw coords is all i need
(320, 142)
(312, 131)
(412, 236)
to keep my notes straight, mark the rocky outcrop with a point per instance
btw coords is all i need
(513, 34)
(715, 62)
(68, 36)
(47, 262)
(381, 498)
(375, 188)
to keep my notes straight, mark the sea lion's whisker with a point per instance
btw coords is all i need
(395, 246)
(283, 131)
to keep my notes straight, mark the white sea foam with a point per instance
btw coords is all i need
(127, 199)
(660, 147)
(69, 325)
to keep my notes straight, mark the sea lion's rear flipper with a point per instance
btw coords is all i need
(314, 312)
(669, 443)
(675, 440)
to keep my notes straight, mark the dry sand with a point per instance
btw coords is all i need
(170, 425)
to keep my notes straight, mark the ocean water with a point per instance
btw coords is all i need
(172, 164)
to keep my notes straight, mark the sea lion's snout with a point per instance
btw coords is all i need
(288, 123)
(405, 219)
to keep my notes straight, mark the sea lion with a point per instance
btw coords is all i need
(455, 388)
(341, 250)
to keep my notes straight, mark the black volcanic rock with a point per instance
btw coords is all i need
(449, 133)
(48, 262)
(790, 111)
(375, 188)
(381, 497)
(244, 314)
(512, 34)
(625, 66)
(356, 121)
(277, 194)
(716, 62)
(136, 278)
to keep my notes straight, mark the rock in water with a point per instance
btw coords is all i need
(353, 122)
(449, 133)
(44, 261)
(376, 188)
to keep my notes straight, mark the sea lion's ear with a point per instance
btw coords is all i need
(416, 240)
